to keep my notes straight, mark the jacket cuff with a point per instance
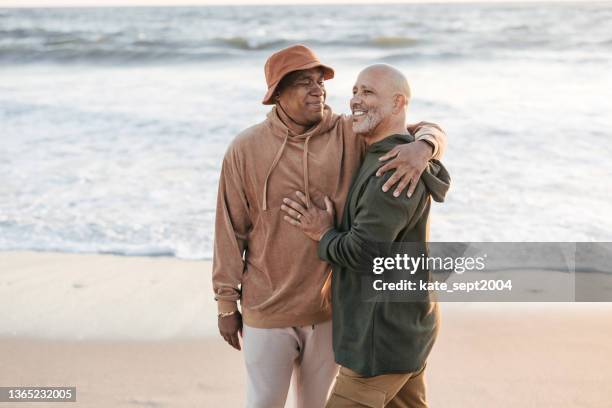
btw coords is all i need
(226, 306)
(324, 242)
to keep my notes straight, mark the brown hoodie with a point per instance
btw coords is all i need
(259, 258)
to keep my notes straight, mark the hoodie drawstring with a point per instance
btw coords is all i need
(305, 167)
(274, 163)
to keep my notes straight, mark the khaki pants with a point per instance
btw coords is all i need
(388, 390)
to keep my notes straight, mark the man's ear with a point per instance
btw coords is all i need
(399, 102)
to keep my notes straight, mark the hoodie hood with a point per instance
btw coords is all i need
(437, 180)
(435, 176)
(278, 128)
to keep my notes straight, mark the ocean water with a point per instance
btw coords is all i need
(113, 121)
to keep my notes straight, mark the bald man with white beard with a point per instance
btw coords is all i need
(382, 346)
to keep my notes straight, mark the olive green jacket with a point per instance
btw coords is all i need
(380, 337)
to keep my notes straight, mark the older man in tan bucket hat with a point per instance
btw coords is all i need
(282, 285)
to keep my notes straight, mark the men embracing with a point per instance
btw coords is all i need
(272, 269)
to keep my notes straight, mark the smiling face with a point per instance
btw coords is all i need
(371, 103)
(380, 99)
(302, 96)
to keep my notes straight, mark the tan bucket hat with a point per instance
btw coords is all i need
(294, 58)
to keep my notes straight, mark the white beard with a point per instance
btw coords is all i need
(368, 122)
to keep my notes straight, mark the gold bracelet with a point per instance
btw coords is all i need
(226, 314)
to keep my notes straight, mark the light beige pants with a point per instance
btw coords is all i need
(273, 356)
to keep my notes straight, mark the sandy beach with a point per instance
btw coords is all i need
(115, 123)
(140, 332)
